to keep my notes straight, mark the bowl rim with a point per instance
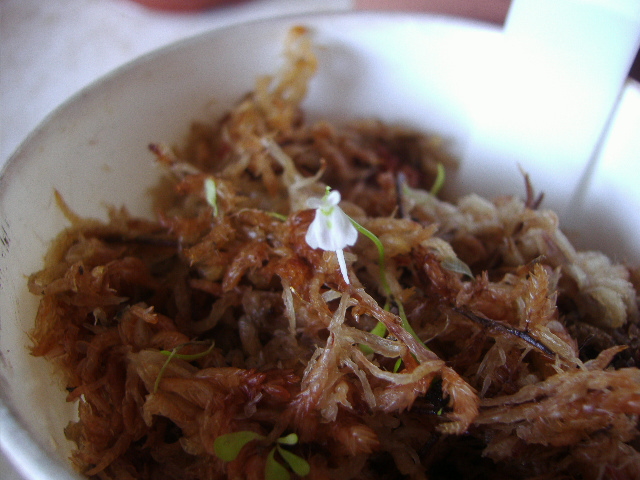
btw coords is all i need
(357, 15)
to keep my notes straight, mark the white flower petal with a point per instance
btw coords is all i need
(314, 233)
(343, 224)
(331, 228)
(343, 265)
(314, 202)
(333, 198)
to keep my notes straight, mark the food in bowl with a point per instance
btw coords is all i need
(248, 332)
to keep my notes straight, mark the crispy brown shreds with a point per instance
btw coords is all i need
(517, 373)
(567, 413)
(491, 325)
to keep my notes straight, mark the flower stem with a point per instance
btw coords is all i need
(171, 354)
(381, 258)
(380, 328)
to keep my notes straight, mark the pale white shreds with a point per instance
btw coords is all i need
(300, 188)
(366, 387)
(605, 289)
(289, 309)
(552, 412)
(605, 296)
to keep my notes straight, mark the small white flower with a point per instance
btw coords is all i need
(331, 228)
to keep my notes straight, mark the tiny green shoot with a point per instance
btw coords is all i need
(278, 216)
(188, 358)
(274, 470)
(454, 264)
(396, 367)
(298, 464)
(228, 446)
(171, 354)
(381, 257)
(163, 368)
(290, 439)
(439, 181)
(211, 194)
(380, 328)
(405, 322)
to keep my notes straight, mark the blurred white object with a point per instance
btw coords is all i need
(613, 183)
(546, 92)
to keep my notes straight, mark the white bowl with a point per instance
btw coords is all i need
(414, 70)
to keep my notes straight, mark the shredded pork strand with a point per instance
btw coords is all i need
(525, 354)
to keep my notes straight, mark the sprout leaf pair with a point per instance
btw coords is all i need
(227, 447)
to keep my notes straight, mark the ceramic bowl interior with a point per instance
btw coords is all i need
(417, 71)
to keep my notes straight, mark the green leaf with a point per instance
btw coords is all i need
(381, 261)
(290, 439)
(298, 464)
(405, 321)
(456, 265)
(228, 446)
(278, 216)
(380, 330)
(173, 353)
(396, 367)
(211, 194)
(156, 384)
(383, 280)
(439, 182)
(273, 470)
(366, 349)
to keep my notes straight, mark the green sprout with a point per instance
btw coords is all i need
(380, 328)
(381, 256)
(396, 367)
(451, 263)
(211, 194)
(174, 353)
(439, 181)
(171, 354)
(228, 446)
(454, 264)
(333, 230)
(278, 216)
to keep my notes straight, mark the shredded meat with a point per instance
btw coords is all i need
(218, 317)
